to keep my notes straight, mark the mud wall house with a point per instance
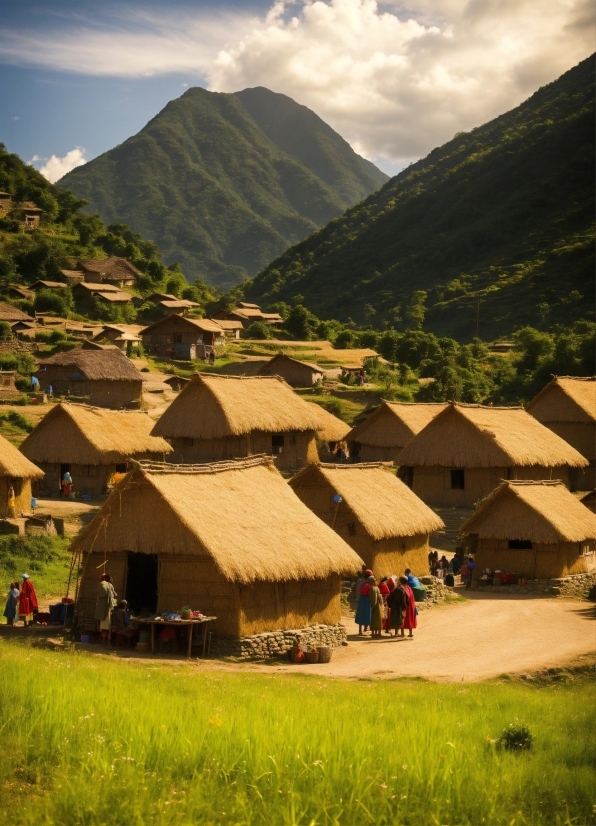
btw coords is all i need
(330, 431)
(296, 373)
(388, 429)
(378, 515)
(84, 293)
(18, 471)
(5, 202)
(182, 338)
(72, 277)
(247, 314)
(535, 528)
(8, 388)
(107, 378)
(223, 417)
(19, 293)
(466, 450)
(92, 443)
(177, 306)
(567, 406)
(230, 328)
(27, 214)
(12, 314)
(54, 286)
(230, 539)
(114, 270)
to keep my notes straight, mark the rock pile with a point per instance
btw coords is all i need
(436, 591)
(278, 643)
(576, 585)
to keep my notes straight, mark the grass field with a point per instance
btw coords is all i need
(90, 740)
(45, 558)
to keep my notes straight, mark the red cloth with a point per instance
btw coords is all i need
(28, 599)
(384, 589)
(391, 584)
(365, 590)
(410, 615)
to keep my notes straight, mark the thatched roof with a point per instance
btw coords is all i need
(203, 325)
(113, 296)
(470, 435)
(331, 428)
(14, 464)
(566, 399)
(393, 424)
(84, 435)
(242, 514)
(105, 365)
(113, 267)
(213, 407)
(384, 505)
(95, 287)
(542, 512)
(8, 312)
(269, 368)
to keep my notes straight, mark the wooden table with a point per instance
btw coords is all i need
(190, 623)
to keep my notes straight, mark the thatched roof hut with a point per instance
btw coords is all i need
(231, 539)
(567, 406)
(388, 429)
(10, 313)
(379, 516)
(467, 449)
(331, 429)
(92, 443)
(537, 528)
(296, 373)
(221, 417)
(19, 472)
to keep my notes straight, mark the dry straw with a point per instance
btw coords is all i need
(542, 512)
(14, 464)
(384, 505)
(331, 428)
(269, 368)
(84, 435)
(473, 436)
(393, 424)
(566, 399)
(96, 365)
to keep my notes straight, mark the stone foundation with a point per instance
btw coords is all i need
(436, 591)
(278, 643)
(576, 585)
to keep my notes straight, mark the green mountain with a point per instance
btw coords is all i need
(502, 215)
(225, 182)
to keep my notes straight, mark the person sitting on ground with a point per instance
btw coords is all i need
(121, 622)
(410, 622)
(27, 600)
(376, 608)
(397, 602)
(363, 611)
(413, 581)
(12, 601)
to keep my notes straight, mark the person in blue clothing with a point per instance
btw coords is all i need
(34, 382)
(413, 581)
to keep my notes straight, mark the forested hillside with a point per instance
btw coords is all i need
(495, 229)
(226, 182)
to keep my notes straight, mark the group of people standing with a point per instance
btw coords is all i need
(388, 605)
(21, 602)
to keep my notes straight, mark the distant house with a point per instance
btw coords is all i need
(231, 328)
(182, 338)
(534, 528)
(124, 336)
(72, 277)
(466, 450)
(92, 444)
(114, 270)
(567, 406)
(10, 313)
(247, 314)
(177, 306)
(155, 298)
(54, 286)
(296, 373)
(28, 214)
(19, 472)
(376, 514)
(90, 344)
(388, 429)
(176, 382)
(107, 377)
(8, 389)
(225, 417)
(20, 293)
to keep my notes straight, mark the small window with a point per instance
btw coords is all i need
(406, 474)
(121, 467)
(277, 443)
(585, 549)
(352, 528)
(458, 479)
(520, 545)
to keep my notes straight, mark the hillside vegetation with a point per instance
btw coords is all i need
(502, 215)
(224, 183)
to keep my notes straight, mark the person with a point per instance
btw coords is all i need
(212, 357)
(34, 383)
(471, 565)
(376, 607)
(12, 501)
(355, 592)
(413, 581)
(456, 564)
(67, 484)
(363, 611)
(435, 563)
(409, 621)
(27, 600)
(10, 611)
(50, 391)
(104, 605)
(466, 574)
(431, 556)
(385, 591)
(391, 583)
(121, 622)
(398, 603)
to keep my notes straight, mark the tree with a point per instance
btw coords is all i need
(258, 330)
(416, 309)
(301, 323)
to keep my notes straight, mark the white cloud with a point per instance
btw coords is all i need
(55, 167)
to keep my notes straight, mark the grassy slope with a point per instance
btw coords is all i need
(216, 193)
(89, 741)
(503, 213)
(45, 558)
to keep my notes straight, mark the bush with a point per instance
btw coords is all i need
(17, 420)
(5, 331)
(47, 301)
(144, 369)
(8, 361)
(516, 738)
(258, 330)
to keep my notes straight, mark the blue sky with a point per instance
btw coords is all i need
(394, 78)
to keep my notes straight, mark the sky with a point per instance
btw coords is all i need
(395, 79)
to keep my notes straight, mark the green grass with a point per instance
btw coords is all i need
(45, 558)
(89, 740)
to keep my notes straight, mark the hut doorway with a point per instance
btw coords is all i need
(141, 582)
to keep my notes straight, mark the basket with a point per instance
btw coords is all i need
(325, 652)
(311, 657)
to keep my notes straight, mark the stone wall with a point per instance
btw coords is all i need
(436, 591)
(278, 643)
(576, 585)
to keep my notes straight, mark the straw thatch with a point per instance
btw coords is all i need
(8, 312)
(566, 399)
(215, 407)
(541, 512)
(114, 267)
(331, 428)
(377, 498)
(107, 365)
(473, 436)
(295, 372)
(14, 464)
(83, 435)
(393, 424)
(242, 514)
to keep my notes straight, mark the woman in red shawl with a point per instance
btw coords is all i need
(27, 600)
(390, 583)
(410, 621)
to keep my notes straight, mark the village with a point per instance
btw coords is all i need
(226, 515)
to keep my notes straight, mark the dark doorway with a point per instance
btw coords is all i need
(141, 582)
